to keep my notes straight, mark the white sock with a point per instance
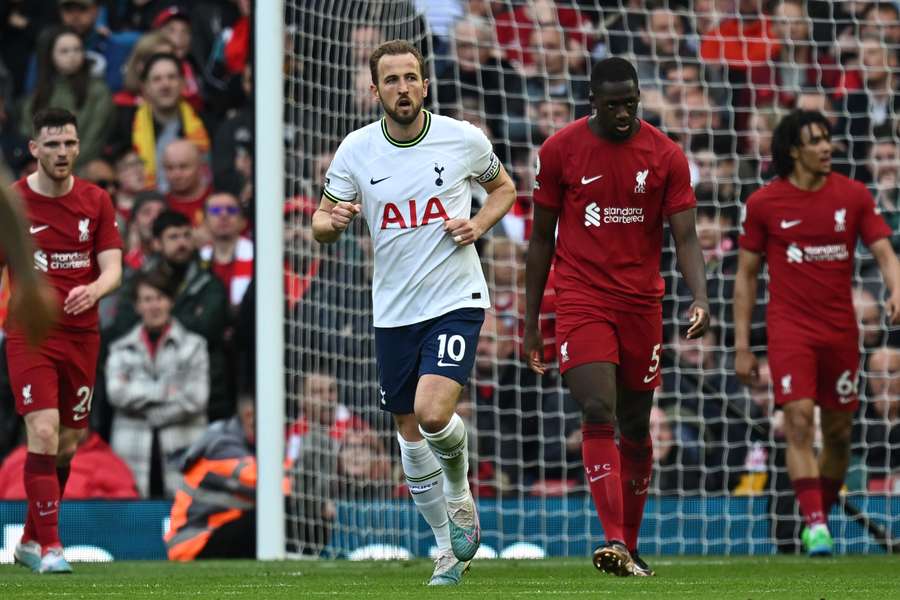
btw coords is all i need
(450, 446)
(425, 481)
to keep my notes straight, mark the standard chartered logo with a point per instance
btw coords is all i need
(794, 254)
(592, 215)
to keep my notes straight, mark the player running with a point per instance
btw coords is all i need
(72, 224)
(410, 174)
(807, 223)
(607, 182)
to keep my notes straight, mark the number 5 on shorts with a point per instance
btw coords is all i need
(654, 364)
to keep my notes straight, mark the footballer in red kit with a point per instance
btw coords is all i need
(607, 183)
(79, 250)
(806, 223)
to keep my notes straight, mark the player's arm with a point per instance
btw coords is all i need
(331, 219)
(541, 248)
(84, 297)
(745, 364)
(692, 267)
(501, 195)
(890, 271)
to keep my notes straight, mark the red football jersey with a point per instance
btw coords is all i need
(611, 198)
(192, 208)
(68, 232)
(809, 239)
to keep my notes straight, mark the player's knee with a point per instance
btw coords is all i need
(595, 410)
(433, 421)
(44, 434)
(65, 453)
(634, 427)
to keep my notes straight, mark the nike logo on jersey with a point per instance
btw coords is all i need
(373, 181)
(789, 224)
(587, 180)
(44, 513)
(599, 477)
(32, 230)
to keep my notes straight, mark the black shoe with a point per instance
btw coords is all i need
(639, 568)
(613, 557)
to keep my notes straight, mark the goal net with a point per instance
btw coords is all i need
(520, 71)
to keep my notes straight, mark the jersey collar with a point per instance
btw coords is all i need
(408, 143)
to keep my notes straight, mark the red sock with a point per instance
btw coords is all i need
(809, 495)
(830, 490)
(30, 533)
(601, 463)
(42, 488)
(637, 464)
(62, 476)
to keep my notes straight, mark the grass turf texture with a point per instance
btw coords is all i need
(678, 577)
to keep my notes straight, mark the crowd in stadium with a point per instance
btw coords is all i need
(163, 95)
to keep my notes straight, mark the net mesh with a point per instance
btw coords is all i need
(520, 71)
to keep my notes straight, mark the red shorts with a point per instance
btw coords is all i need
(633, 341)
(59, 374)
(825, 374)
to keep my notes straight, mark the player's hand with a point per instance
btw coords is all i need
(534, 349)
(80, 299)
(746, 367)
(699, 320)
(342, 214)
(34, 306)
(892, 308)
(463, 231)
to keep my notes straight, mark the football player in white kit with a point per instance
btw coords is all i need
(410, 174)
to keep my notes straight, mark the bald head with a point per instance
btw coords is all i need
(182, 162)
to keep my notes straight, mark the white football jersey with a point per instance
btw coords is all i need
(406, 191)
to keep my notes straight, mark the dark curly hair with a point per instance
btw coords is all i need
(787, 136)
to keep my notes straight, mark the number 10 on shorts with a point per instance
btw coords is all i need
(454, 347)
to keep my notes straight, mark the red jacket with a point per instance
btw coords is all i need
(96, 473)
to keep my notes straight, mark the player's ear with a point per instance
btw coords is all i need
(33, 148)
(425, 83)
(374, 89)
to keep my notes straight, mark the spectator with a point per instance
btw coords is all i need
(108, 50)
(147, 206)
(229, 255)
(157, 379)
(552, 115)
(101, 173)
(514, 33)
(96, 473)
(743, 40)
(130, 176)
(129, 97)
(554, 75)
(505, 274)
(800, 63)
(214, 513)
(661, 39)
(162, 118)
(881, 423)
(234, 136)
(64, 80)
(313, 447)
(675, 471)
(884, 166)
(755, 165)
(479, 73)
(878, 104)
(509, 406)
(200, 303)
(883, 19)
(188, 182)
(175, 24)
(868, 316)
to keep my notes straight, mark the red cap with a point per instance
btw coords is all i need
(167, 14)
(302, 204)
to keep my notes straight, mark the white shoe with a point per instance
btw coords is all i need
(53, 561)
(28, 554)
(448, 570)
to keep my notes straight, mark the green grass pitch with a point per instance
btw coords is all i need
(784, 578)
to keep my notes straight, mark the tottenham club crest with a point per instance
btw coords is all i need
(640, 179)
(840, 220)
(438, 169)
(83, 233)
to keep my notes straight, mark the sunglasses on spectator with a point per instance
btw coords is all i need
(107, 183)
(224, 210)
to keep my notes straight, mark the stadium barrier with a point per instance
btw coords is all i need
(533, 528)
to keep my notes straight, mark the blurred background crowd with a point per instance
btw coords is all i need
(164, 96)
